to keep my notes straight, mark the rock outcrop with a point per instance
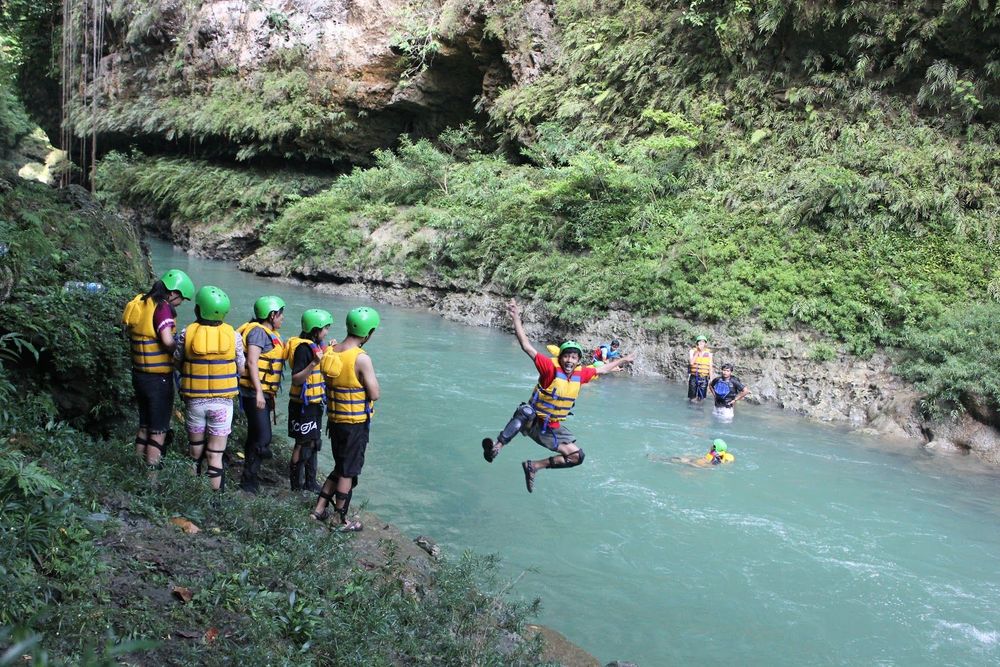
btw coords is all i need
(315, 79)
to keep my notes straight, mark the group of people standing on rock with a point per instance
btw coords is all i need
(212, 363)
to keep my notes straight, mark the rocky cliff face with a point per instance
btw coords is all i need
(315, 79)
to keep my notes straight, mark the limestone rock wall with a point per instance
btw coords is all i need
(340, 77)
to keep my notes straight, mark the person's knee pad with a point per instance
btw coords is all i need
(519, 422)
(168, 440)
(141, 442)
(570, 460)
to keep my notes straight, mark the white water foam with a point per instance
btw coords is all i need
(988, 638)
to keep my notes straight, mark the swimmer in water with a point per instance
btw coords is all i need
(717, 455)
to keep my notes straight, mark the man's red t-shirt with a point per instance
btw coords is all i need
(547, 373)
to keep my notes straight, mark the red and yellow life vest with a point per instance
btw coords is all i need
(701, 363)
(209, 367)
(148, 353)
(554, 402)
(347, 402)
(313, 390)
(270, 364)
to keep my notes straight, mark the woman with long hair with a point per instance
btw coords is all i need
(150, 320)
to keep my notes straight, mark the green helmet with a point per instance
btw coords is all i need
(570, 345)
(720, 445)
(316, 318)
(265, 305)
(176, 280)
(700, 338)
(212, 303)
(362, 321)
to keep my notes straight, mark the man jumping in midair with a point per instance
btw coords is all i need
(541, 417)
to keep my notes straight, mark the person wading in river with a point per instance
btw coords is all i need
(550, 403)
(150, 320)
(306, 398)
(352, 390)
(700, 369)
(727, 390)
(260, 384)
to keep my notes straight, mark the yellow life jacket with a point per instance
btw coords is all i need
(347, 402)
(726, 457)
(701, 363)
(209, 367)
(314, 388)
(148, 353)
(554, 402)
(270, 364)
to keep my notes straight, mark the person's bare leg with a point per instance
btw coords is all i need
(568, 456)
(560, 460)
(345, 486)
(140, 442)
(154, 450)
(216, 470)
(196, 450)
(294, 473)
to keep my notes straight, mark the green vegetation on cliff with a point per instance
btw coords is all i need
(196, 190)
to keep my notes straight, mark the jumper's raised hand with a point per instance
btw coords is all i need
(514, 310)
(522, 339)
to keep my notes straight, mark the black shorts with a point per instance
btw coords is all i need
(154, 395)
(304, 421)
(348, 442)
(697, 386)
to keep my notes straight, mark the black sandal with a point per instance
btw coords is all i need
(529, 475)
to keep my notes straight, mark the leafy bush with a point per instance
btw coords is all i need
(623, 227)
(14, 122)
(44, 546)
(821, 352)
(197, 190)
(54, 237)
(951, 359)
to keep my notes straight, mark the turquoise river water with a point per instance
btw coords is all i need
(817, 546)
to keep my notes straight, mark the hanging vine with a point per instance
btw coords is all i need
(82, 65)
